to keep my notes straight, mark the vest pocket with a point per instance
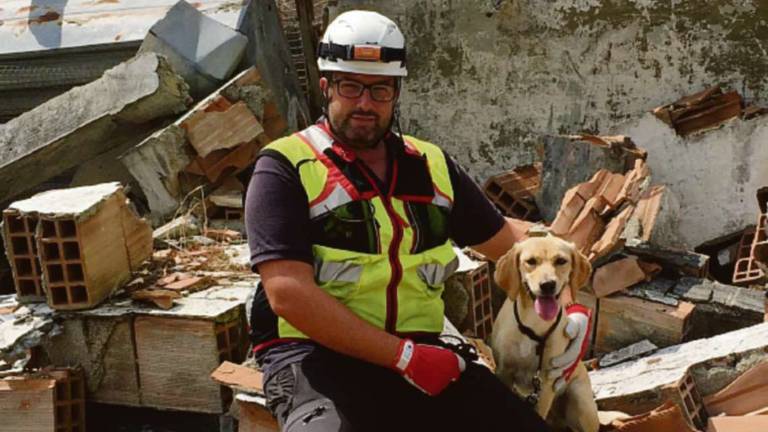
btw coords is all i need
(338, 278)
(441, 263)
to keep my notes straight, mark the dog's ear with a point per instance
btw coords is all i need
(580, 271)
(507, 274)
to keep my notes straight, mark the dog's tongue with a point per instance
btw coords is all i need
(546, 307)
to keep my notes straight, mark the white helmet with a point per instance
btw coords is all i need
(363, 42)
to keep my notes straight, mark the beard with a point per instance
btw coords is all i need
(361, 136)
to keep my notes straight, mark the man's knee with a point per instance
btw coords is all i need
(317, 415)
(297, 405)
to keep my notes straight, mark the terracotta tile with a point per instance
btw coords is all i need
(648, 207)
(194, 283)
(617, 276)
(588, 226)
(738, 424)
(665, 418)
(611, 237)
(748, 393)
(214, 130)
(610, 188)
(570, 208)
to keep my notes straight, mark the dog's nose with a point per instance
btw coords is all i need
(548, 287)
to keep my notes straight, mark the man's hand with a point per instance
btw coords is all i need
(577, 329)
(428, 368)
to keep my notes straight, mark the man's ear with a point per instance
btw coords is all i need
(580, 271)
(323, 83)
(507, 274)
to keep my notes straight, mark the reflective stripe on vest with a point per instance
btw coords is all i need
(364, 281)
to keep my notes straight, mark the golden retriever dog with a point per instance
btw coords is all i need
(529, 330)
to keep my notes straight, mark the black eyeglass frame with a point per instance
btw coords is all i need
(363, 87)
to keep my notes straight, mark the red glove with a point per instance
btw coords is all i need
(428, 368)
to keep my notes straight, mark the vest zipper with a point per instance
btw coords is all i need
(390, 322)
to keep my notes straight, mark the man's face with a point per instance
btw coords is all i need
(360, 119)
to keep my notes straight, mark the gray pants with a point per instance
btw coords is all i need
(327, 391)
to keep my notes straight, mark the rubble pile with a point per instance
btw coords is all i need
(649, 299)
(130, 273)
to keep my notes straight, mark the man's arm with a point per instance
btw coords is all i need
(293, 295)
(511, 232)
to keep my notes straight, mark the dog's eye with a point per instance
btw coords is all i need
(560, 261)
(531, 261)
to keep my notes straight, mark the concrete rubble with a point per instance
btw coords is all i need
(127, 252)
(89, 120)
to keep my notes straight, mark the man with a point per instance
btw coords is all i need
(350, 226)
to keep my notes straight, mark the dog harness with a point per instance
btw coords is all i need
(541, 342)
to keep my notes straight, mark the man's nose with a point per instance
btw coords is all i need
(365, 100)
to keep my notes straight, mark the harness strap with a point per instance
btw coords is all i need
(541, 342)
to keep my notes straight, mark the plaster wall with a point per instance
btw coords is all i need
(488, 77)
(712, 176)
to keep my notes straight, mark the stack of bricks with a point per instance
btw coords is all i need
(513, 192)
(52, 401)
(600, 214)
(86, 241)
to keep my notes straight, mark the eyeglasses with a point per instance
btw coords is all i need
(353, 89)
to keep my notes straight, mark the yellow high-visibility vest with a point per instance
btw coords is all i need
(384, 254)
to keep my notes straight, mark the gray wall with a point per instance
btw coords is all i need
(488, 77)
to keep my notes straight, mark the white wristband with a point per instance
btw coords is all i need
(405, 356)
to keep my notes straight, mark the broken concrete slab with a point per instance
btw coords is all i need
(25, 328)
(720, 308)
(156, 163)
(678, 261)
(713, 363)
(78, 125)
(202, 50)
(630, 352)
